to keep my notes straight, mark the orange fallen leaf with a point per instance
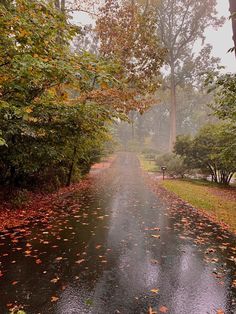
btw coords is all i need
(150, 311)
(156, 236)
(220, 311)
(54, 299)
(155, 290)
(55, 280)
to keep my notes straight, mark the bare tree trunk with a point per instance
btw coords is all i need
(172, 138)
(232, 8)
(63, 6)
(57, 4)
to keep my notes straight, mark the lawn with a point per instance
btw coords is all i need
(148, 165)
(209, 198)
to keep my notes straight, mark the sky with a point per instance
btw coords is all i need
(221, 40)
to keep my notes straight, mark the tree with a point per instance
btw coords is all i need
(127, 33)
(52, 116)
(212, 150)
(232, 8)
(180, 24)
(224, 87)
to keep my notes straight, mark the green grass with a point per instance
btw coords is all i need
(198, 194)
(148, 165)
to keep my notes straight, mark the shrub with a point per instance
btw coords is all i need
(175, 165)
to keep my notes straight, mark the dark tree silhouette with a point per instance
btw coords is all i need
(232, 7)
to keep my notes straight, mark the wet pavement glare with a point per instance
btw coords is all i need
(118, 248)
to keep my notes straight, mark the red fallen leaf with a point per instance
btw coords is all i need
(1, 273)
(9, 305)
(80, 261)
(28, 245)
(163, 309)
(38, 261)
(98, 246)
(54, 299)
(14, 283)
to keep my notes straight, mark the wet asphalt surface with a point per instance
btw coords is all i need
(118, 248)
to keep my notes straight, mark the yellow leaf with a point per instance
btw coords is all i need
(155, 290)
(156, 236)
(28, 110)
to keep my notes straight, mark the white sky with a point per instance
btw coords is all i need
(221, 40)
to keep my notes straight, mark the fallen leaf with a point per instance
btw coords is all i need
(54, 299)
(163, 309)
(150, 311)
(80, 261)
(55, 280)
(155, 290)
(14, 283)
(38, 261)
(156, 236)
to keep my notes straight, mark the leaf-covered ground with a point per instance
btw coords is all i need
(214, 202)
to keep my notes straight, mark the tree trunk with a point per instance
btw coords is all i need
(172, 138)
(71, 167)
(57, 4)
(232, 8)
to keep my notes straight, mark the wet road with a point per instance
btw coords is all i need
(116, 248)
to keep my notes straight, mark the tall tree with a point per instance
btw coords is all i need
(127, 33)
(181, 23)
(232, 8)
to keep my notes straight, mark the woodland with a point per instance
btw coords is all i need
(65, 87)
(117, 157)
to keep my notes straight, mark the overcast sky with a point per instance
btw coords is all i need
(221, 40)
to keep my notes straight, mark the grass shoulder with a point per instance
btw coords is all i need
(209, 197)
(148, 165)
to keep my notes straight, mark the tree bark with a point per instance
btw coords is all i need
(71, 167)
(232, 8)
(172, 138)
